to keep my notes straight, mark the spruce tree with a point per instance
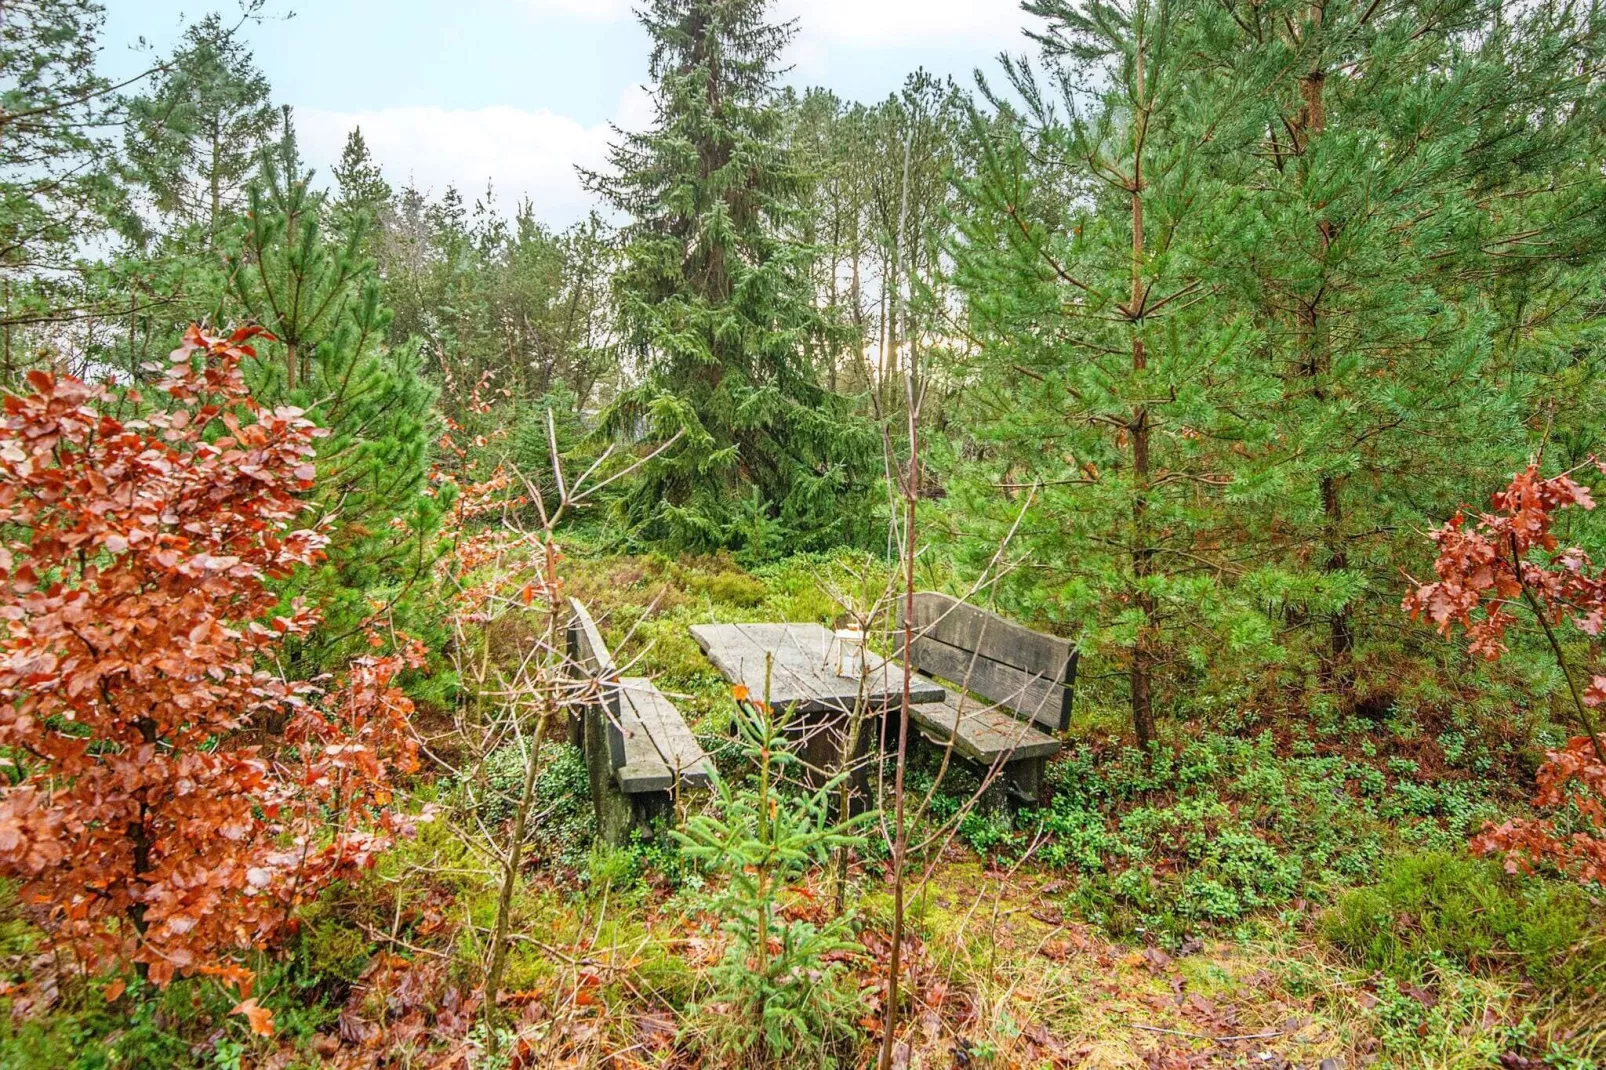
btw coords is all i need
(363, 197)
(716, 306)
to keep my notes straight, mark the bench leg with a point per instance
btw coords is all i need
(651, 810)
(1017, 784)
(1025, 780)
(618, 815)
(615, 814)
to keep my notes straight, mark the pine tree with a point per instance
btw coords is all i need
(1410, 157)
(1114, 402)
(716, 306)
(194, 139)
(322, 300)
(1395, 210)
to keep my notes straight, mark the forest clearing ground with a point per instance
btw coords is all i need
(1008, 971)
(999, 976)
(1030, 946)
(1038, 986)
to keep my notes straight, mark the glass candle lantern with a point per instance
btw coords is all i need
(849, 653)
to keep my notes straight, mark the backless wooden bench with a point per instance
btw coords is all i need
(1021, 686)
(639, 750)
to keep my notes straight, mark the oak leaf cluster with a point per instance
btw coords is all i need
(1508, 557)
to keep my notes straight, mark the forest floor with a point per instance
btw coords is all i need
(1276, 895)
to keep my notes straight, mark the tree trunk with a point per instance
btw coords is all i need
(1336, 666)
(510, 881)
(1142, 683)
(215, 187)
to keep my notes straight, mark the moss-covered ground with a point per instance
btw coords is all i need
(1277, 889)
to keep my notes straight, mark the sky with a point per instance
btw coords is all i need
(517, 93)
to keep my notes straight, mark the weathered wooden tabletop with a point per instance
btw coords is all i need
(804, 677)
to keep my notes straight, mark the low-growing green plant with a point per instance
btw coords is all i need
(1469, 911)
(1208, 834)
(562, 821)
(644, 859)
(1457, 1026)
(781, 998)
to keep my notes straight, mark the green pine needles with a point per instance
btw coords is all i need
(1236, 276)
(321, 299)
(717, 309)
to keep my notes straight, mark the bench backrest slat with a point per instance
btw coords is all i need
(586, 645)
(588, 650)
(1028, 672)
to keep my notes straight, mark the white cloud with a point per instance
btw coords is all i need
(534, 153)
(523, 153)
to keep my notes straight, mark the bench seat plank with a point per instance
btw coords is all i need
(666, 729)
(984, 733)
(637, 765)
(649, 748)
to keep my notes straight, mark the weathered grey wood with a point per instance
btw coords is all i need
(586, 645)
(951, 621)
(1033, 697)
(590, 654)
(637, 765)
(617, 813)
(800, 677)
(672, 741)
(1031, 673)
(1025, 681)
(639, 750)
(984, 735)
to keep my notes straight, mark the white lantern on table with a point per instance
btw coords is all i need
(848, 652)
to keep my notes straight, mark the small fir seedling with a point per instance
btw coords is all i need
(758, 842)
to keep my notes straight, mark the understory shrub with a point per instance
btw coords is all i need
(562, 822)
(1221, 829)
(1470, 911)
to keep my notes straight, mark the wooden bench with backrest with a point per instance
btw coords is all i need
(1020, 686)
(639, 750)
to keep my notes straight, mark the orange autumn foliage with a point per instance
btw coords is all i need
(140, 810)
(1572, 778)
(1511, 556)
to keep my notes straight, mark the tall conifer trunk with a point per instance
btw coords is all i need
(1335, 665)
(1138, 431)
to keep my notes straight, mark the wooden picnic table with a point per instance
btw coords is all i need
(803, 680)
(802, 676)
